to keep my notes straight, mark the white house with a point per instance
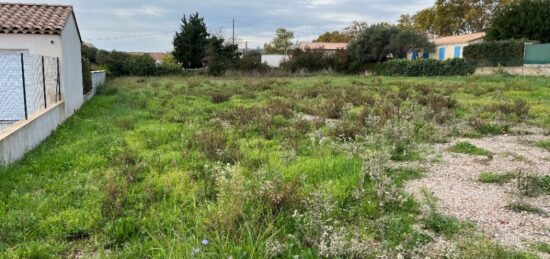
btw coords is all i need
(449, 47)
(40, 71)
(51, 31)
(274, 60)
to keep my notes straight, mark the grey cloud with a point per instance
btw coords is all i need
(256, 21)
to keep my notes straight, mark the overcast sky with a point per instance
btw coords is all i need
(138, 25)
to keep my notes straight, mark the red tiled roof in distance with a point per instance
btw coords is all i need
(322, 45)
(19, 18)
(459, 39)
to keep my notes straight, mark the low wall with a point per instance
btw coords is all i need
(98, 78)
(25, 135)
(527, 70)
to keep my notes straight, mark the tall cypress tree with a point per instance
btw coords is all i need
(191, 42)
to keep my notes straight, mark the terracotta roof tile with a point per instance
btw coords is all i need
(323, 45)
(33, 18)
(459, 39)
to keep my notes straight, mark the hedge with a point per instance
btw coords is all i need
(86, 76)
(424, 67)
(495, 53)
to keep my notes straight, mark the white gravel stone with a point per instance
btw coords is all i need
(454, 181)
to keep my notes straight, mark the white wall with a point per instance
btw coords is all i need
(71, 68)
(25, 135)
(274, 60)
(36, 44)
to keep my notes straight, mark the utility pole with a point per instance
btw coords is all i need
(233, 31)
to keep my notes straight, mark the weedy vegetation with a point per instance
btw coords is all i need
(468, 148)
(254, 167)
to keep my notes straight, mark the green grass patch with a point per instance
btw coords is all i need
(248, 167)
(544, 144)
(542, 247)
(496, 178)
(524, 207)
(442, 224)
(468, 148)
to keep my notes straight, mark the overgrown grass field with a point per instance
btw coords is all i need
(203, 167)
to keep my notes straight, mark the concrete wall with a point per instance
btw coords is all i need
(522, 71)
(98, 78)
(23, 136)
(71, 68)
(274, 60)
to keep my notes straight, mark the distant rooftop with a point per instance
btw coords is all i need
(466, 38)
(323, 45)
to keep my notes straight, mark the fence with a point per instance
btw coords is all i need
(28, 84)
(537, 54)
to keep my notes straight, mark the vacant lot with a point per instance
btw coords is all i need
(284, 167)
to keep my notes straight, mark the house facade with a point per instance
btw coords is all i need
(51, 31)
(41, 81)
(448, 47)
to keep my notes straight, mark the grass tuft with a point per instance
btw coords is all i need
(496, 178)
(468, 148)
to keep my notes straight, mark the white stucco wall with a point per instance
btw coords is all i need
(36, 44)
(71, 64)
(274, 60)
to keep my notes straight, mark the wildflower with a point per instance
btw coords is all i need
(205, 242)
(196, 250)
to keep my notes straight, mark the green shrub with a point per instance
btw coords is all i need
(424, 67)
(442, 224)
(495, 53)
(314, 61)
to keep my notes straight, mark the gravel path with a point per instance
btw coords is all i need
(454, 181)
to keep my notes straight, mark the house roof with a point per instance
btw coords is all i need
(18, 18)
(323, 45)
(466, 38)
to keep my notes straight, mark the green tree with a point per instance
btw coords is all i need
(378, 41)
(281, 44)
(355, 29)
(451, 17)
(528, 19)
(406, 22)
(333, 37)
(191, 42)
(221, 55)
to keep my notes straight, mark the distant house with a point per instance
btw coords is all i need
(40, 30)
(453, 46)
(326, 47)
(274, 60)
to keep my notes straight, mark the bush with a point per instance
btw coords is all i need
(424, 67)
(495, 53)
(124, 64)
(315, 61)
(86, 76)
(252, 61)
